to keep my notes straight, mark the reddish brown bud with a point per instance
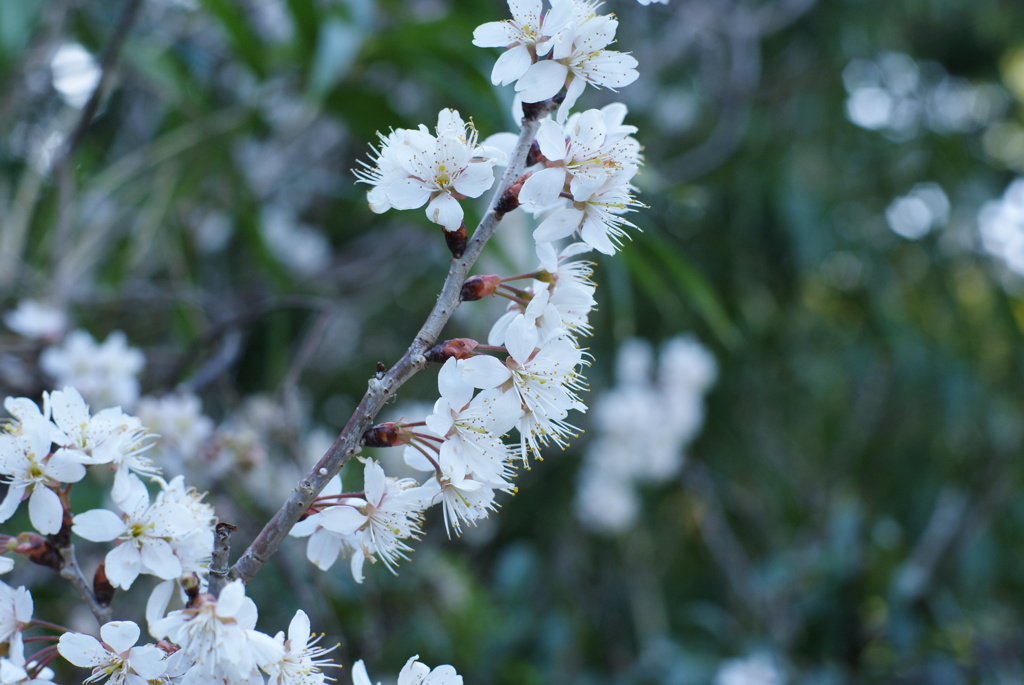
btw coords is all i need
(477, 287)
(456, 240)
(509, 200)
(460, 348)
(101, 587)
(384, 435)
(191, 585)
(39, 550)
(535, 156)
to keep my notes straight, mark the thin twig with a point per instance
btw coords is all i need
(221, 555)
(72, 572)
(108, 61)
(347, 443)
(62, 167)
(729, 554)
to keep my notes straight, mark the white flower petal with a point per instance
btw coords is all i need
(475, 180)
(342, 519)
(298, 630)
(510, 65)
(148, 661)
(120, 635)
(484, 372)
(542, 189)
(560, 224)
(45, 510)
(123, 564)
(158, 558)
(97, 525)
(82, 650)
(494, 34)
(231, 599)
(323, 549)
(11, 501)
(446, 211)
(541, 81)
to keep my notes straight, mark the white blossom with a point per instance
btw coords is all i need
(388, 514)
(413, 673)
(324, 546)
(301, 658)
(110, 437)
(413, 168)
(668, 406)
(117, 657)
(218, 639)
(29, 467)
(143, 533)
(563, 48)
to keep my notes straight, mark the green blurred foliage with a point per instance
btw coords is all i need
(859, 449)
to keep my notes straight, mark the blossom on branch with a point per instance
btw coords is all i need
(117, 657)
(564, 48)
(413, 168)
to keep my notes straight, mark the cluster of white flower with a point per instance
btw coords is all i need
(43, 449)
(215, 641)
(577, 183)
(527, 377)
(899, 96)
(169, 536)
(106, 374)
(561, 48)
(413, 168)
(669, 412)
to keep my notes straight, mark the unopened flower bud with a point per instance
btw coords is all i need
(459, 348)
(385, 435)
(456, 240)
(191, 585)
(101, 587)
(39, 550)
(535, 156)
(477, 287)
(510, 198)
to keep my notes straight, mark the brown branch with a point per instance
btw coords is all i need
(347, 443)
(219, 564)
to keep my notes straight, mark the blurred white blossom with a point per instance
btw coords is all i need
(75, 74)
(1001, 226)
(756, 669)
(900, 97)
(642, 427)
(915, 214)
(105, 374)
(36, 320)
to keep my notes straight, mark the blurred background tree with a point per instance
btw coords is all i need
(832, 212)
